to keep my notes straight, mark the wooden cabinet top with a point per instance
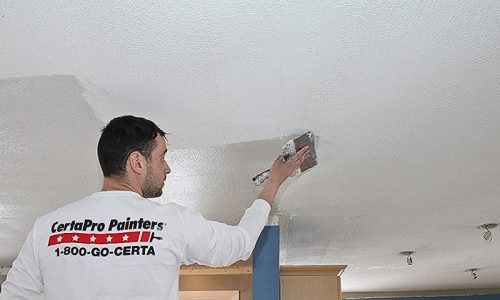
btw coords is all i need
(312, 270)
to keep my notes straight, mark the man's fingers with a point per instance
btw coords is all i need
(303, 149)
(302, 154)
(298, 159)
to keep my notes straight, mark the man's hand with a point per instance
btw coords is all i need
(280, 171)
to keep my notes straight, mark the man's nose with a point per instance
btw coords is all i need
(167, 169)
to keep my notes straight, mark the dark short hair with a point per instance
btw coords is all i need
(122, 136)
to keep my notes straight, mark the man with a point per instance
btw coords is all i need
(115, 244)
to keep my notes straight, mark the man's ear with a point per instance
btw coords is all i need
(137, 162)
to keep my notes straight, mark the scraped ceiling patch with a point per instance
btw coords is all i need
(48, 144)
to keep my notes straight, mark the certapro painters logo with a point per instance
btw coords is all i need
(129, 237)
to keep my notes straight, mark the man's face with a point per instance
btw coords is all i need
(157, 170)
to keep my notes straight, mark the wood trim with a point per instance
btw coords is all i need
(4, 271)
(339, 285)
(241, 283)
(347, 295)
(312, 270)
(209, 295)
(238, 268)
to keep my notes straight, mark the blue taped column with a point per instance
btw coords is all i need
(266, 265)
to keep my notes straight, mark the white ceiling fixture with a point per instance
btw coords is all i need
(408, 254)
(473, 272)
(487, 235)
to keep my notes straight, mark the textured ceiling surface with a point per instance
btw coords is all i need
(404, 96)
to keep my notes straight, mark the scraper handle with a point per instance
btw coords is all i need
(261, 177)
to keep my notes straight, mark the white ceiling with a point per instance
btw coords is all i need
(404, 96)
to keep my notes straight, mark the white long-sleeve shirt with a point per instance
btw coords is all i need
(118, 245)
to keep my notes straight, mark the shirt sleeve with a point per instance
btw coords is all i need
(24, 280)
(217, 244)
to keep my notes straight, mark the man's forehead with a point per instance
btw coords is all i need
(161, 143)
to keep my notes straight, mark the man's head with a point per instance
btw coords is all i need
(133, 147)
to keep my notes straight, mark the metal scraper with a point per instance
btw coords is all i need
(289, 149)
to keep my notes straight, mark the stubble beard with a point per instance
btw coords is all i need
(149, 189)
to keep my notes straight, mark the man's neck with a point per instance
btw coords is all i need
(120, 184)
